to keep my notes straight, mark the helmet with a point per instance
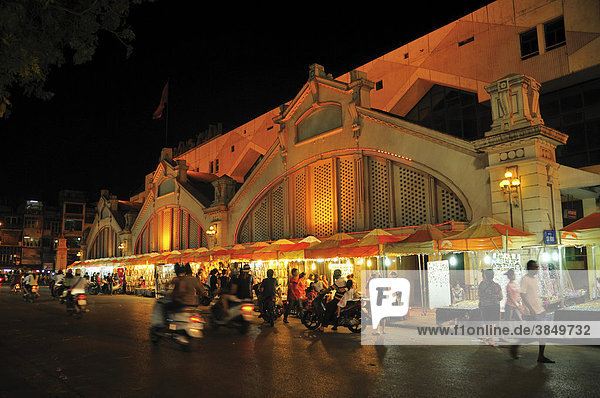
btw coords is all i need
(246, 267)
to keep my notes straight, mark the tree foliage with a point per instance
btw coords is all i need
(38, 35)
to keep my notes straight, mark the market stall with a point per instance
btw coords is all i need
(586, 232)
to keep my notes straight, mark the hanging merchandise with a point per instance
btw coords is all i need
(438, 283)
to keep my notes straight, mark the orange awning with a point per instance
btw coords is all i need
(487, 234)
(330, 247)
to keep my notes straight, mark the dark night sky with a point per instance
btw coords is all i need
(225, 64)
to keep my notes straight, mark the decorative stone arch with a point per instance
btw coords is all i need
(349, 191)
(103, 238)
(319, 119)
(170, 227)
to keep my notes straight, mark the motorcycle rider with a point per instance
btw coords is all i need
(77, 286)
(58, 284)
(268, 291)
(339, 286)
(241, 287)
(185, 287)
(30, 280)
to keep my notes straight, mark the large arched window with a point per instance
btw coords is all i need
(169, 229)
(349, 194)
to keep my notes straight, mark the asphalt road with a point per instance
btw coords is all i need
(43, 352)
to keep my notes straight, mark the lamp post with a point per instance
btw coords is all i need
(510, 186)
(212, 232)
(123, 246)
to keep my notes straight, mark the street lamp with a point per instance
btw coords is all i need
(510, 186)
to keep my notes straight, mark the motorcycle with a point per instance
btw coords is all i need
(180, 325)
(94, 288)
(16, 289)
(350, 315)
(57, 289)
(77, 305)
(239, 316)
(31, 296)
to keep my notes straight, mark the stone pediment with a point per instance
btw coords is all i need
(322, 106)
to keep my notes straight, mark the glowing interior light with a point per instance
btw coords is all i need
(545, 257)
(487, 259)
(369, 263)
(452, 260)
(314, 266)
(387, 262)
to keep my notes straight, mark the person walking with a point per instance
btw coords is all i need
(530, 296)
(490, 295)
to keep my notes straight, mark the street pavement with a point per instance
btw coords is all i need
(44, 352)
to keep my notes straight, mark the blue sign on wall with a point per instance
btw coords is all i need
(550, 237)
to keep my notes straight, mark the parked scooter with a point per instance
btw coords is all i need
(350, 315)
(31, 296)
(239, 316)
(180, 326)
(94, 288)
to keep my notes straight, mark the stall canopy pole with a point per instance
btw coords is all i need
(594, 286)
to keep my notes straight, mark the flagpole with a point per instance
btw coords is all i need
(167, 117)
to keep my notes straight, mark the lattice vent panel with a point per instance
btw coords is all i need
(323, 200)
(278, 213)
(183, 230)
(244, 236)
(413, 208)
(260, 220)
(300, 205)
(347, 202)
(451, 207)
(380, 194)
(193, 234)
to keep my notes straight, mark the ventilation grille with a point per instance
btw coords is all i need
(278, 213)
(347, 210)
(300, 205)
(323, 200)
(183, 234)
(380, 194)
(412, 198)
(260, 225)
(193, 234)
(245, 232)
(451, 207)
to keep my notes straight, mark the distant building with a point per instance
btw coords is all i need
(11, 234)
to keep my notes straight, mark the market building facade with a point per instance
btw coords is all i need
(473, 120)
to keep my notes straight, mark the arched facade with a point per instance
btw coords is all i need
(105, 244)
(170, 228)
(356, 191)
(172, 215)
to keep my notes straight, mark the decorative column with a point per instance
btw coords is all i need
(522, 159)
(217, 232)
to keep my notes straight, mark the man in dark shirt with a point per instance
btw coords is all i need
(241, 286)
(268, 291)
